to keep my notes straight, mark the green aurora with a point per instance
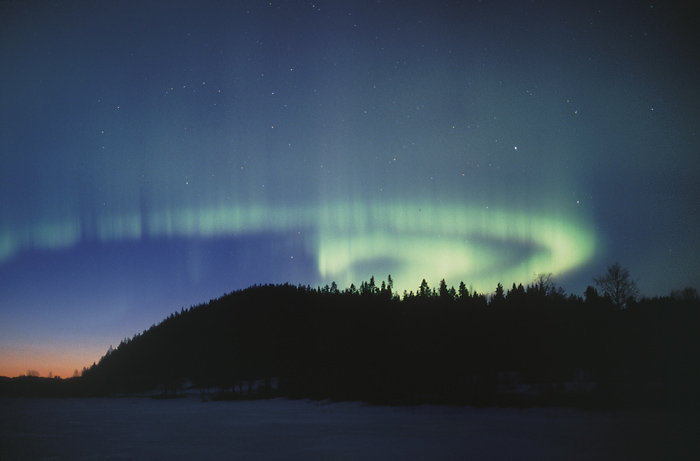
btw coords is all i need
(411, 241)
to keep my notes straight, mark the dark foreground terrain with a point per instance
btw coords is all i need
(529, 346)
(187, 428)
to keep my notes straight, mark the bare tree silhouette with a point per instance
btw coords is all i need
(617, 285)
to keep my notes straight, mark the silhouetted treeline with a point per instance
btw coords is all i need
(526, 345)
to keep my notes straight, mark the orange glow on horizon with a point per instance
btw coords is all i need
(17, 361)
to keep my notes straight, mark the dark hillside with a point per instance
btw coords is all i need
(525, 346)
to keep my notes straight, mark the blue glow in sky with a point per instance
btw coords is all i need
(155, 155)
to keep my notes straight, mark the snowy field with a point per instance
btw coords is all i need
(142, 428)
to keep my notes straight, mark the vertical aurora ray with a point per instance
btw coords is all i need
(389, 161)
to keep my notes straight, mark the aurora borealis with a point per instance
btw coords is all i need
(155, 155)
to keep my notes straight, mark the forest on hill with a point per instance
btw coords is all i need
(526, 345)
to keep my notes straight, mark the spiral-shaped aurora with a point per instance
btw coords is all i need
(352, 240)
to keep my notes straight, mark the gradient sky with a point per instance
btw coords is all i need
(155, 155)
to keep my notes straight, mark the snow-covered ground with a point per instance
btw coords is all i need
(187, 428)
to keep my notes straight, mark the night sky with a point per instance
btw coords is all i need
(156, 155)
